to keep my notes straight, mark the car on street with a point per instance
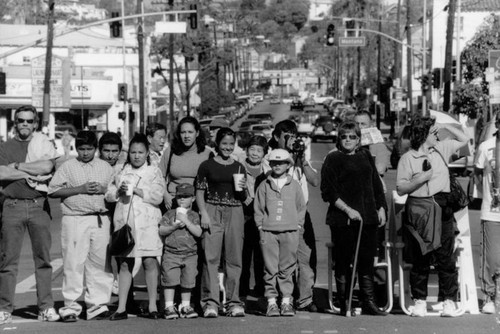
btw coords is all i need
(245, 125)
(296, 105)
(305, 124)
(258, 96)
(261, 117)
(290, 99)
(325, 128)
(275, 100)
(309, 102)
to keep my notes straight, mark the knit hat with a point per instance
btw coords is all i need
(184, 189)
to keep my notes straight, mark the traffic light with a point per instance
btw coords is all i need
(3, 83)
(436, 78)
(425, 82)
(122, 115)
(306, 64)
(454, 70)
(193, 17)
(122, 92)
(115, 27)
(330, 35)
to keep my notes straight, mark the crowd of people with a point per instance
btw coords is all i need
(200, 214)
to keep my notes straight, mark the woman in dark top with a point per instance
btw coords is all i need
(351, 185)
(222, 219)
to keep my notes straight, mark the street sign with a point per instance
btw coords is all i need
(170, 28)
(60, 90)
(352, 41)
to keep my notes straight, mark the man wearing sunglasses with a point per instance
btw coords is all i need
(24, 208)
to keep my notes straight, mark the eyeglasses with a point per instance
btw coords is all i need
(22, 120)
(351, 137)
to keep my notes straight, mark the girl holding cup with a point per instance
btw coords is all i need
(138, 190)
(221, 211)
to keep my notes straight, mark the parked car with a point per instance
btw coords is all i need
(321, 99)
(262, 117)
(245, 125)
(305, 124)
(296, 105)
(325, 127)
(258, 96)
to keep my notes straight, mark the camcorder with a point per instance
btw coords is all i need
(296, 145)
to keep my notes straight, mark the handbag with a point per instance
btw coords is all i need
(457, 199)
(122, 240)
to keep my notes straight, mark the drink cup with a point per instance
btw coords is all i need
(237, 178)
(130, 189)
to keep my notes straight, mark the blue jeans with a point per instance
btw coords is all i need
(19, 215)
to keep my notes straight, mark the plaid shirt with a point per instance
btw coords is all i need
(74, 173)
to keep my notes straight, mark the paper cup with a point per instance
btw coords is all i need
(130, 189)
(237, 178)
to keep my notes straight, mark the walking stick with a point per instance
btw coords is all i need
(353, 275)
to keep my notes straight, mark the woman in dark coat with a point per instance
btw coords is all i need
(351, 185)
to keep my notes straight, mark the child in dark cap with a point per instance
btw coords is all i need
(180, 227)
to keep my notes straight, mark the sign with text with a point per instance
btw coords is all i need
(352, 41)
(59, 82)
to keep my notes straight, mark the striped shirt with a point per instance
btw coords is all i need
(74, 173)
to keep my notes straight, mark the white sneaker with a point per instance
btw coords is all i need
(5, 318)
(449, 309)
(488, 307)
(49, 315)
(420, 308)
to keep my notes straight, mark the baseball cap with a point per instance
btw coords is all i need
(218, 123)
(184, 189)
(280, 155)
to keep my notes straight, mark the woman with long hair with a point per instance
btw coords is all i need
(180, 162)
(138, 190)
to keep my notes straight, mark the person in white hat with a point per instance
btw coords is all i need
(280, 211)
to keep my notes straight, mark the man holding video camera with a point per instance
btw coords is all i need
(285, 137)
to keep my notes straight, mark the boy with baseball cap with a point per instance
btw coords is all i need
(280, 211)
(180, 227)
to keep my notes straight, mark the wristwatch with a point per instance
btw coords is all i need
(16, 165)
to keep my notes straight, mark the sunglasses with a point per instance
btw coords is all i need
(183, 196)
(351, 137)
(22, 120)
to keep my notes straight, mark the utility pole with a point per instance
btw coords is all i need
(448, 55)
(140, 44)
(397, 48)
(424, 60)
(48, 64)
(409, 57)
(171, 74)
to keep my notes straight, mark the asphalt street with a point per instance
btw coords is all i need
(324, 322)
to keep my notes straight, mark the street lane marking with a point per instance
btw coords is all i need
(29, 283)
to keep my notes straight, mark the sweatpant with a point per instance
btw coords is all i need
(226, 232)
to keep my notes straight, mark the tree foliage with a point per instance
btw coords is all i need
(469, 99)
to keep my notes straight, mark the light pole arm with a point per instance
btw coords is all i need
(389, 37)
(97, 23)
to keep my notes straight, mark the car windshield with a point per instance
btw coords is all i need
(260, 116)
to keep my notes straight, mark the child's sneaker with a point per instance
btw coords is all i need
(5, 318)
(188, 312)
(287, 310)
(272, 310)
(170, 313)
(49, 314)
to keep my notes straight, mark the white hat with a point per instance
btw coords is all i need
(280, 155)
